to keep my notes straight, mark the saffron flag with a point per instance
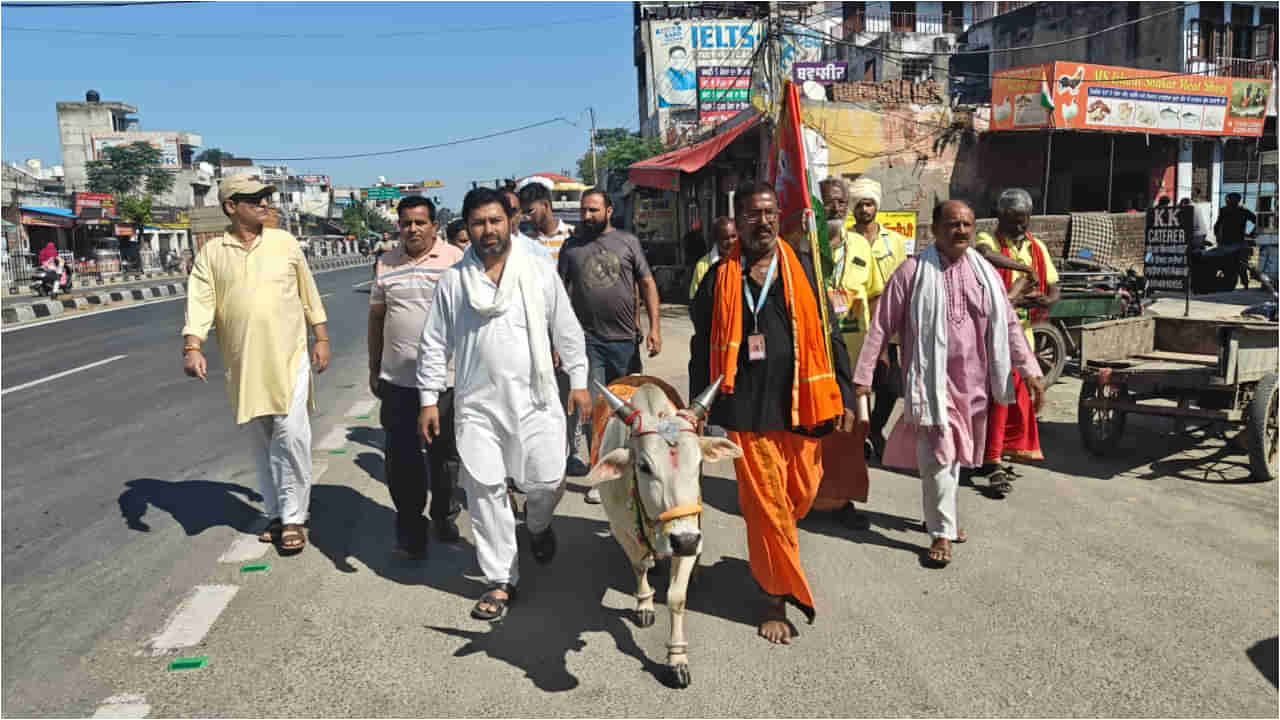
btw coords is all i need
(803, 222)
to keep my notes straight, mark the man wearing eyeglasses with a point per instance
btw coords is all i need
(254, 286)
(759, 327)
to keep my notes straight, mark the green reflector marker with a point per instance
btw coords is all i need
(191, 663)
(337, 452)
(255, 567)
(362, 417)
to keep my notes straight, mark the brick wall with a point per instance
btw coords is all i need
(1055, 231)
(889, 91)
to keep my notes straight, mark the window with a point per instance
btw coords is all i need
(917, 69)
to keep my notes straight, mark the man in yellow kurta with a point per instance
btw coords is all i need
(253, 285)
(889, 249)
(855, 282)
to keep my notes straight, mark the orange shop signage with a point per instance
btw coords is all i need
(1080, 96)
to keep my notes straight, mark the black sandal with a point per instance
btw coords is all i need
(1000, 483)
(488, 598)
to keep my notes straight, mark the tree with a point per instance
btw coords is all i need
(353, 221)
(127, 169)
(617, 148)
(361, 218)
(135, 208)
(215, 157)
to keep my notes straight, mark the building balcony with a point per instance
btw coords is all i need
(901, 22)
(1231, 67)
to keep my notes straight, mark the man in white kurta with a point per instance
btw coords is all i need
(508, 417)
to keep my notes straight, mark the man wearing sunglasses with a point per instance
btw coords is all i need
(254, 285)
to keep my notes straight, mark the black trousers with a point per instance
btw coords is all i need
(887, 384)
(406, 464)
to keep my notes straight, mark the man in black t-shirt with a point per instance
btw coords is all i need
(1230, 232)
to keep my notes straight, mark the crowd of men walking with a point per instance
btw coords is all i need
(482, 345)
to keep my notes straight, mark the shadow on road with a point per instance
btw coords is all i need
(197, 505)
(368, 436)
(1147, 441)
(1264, 657)
(374, 465)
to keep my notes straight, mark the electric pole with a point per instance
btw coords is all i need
(595, 164)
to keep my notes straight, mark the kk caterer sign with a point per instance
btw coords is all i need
(1168, 230)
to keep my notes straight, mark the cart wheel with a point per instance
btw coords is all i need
(1100, 430)
(1262, 429)
(1051, 351)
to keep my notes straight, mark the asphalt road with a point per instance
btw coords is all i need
(1143, 585)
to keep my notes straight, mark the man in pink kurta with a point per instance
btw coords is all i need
(939, 451)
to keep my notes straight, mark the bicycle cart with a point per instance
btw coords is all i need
(1205, 371)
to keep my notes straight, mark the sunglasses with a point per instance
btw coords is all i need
(252, 199)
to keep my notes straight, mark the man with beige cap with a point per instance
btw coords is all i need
(254, 286)
(889, 249)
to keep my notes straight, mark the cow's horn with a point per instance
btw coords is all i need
(701, 405)
(620, 407)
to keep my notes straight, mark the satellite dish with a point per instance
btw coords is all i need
(814, 90)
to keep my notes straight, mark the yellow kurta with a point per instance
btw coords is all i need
(856, 281)
(699, 271)
(1022, 254)
(261, 301)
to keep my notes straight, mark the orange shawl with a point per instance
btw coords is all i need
(815, 396)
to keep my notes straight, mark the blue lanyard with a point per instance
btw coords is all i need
(754, 304)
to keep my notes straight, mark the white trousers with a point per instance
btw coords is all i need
(938, 491)
(281, 447)
(535, 463)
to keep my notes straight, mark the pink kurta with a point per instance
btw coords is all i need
(967, 397)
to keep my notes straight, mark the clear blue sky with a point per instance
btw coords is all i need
(477, 68)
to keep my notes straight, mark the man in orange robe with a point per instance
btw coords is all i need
(758, 324)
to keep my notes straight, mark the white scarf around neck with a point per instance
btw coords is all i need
(520, 275)
(925, 394)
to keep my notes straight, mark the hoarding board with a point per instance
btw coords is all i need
(902, 222)
(822, 73)
(167, 144)
(722, 92)
(104, 201)
(314, 179)
(1080, 96)
(1165, 266)
(679, 48)
(432, 183)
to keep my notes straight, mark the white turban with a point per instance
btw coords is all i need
(864, 189)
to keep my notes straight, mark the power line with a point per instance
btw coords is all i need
(399, 151)
(96, 4)
(290, 36)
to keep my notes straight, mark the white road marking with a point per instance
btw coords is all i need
(364, 407)
(123, 706)
(62, 374)
(362, 284)
(76, 316)
(243, 549)
(325, 295)
(191, 621)
(336, 439)
(318, 470)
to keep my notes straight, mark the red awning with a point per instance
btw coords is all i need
(663, 171)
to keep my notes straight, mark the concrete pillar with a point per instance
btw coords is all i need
(1215, 184)
(1183, 189)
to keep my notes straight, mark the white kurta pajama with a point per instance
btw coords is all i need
(506, 427)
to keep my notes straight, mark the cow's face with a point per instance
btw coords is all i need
(666, 454)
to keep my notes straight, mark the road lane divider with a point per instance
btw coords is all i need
(362, 409)
(192, 620)
(335, 440)
(123, 706)
(243, 549)
(62, 374)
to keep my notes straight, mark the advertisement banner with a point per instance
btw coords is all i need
(82, 200)
(1165, 267)
(1079, 96)
(166, 143)
(42, 220)
(124, 231)
(722, 92)
(836, 71)
(314, 179)
(679, 48)
(902, 222)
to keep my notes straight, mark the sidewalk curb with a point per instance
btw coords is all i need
(41, 309)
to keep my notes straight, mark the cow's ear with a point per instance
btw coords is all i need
(716, 448)
(610, 467)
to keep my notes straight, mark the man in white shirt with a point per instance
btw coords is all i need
(518, 237)
(535, 204)
(497, 313)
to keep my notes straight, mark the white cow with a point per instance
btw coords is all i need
(650, 479)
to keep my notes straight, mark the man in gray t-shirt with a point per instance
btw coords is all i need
(602, 269)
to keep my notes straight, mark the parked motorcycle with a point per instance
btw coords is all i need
(48, 282)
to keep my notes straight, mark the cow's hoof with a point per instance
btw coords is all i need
(678, 676)
(645, 618)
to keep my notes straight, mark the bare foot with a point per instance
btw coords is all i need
(774, 626)
(940, 552)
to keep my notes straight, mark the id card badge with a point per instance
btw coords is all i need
(755, 347)
(839, 301)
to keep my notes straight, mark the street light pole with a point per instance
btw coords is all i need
(595, 164)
